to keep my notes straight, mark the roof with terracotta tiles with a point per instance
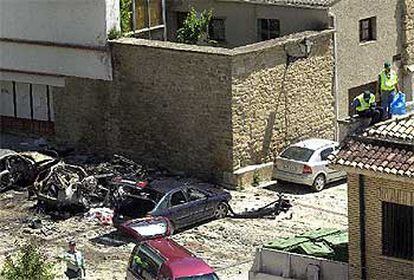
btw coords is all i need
(298, 3)
(400, 129)
(387, 147)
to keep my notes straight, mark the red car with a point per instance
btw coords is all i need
(160, 258)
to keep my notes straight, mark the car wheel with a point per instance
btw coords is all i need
(319, 183)
(221, 210)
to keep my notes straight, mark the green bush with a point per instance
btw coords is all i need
(195, 26)
(114, 34)
(27, 264)
(126, 15)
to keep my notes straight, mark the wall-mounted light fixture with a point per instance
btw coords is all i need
(305, 48)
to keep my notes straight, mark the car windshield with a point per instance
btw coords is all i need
(211, 276)
(298, 153)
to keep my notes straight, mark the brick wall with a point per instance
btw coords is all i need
(376, 191)
(190, 108)
(275, 104)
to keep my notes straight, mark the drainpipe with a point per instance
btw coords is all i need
(335, 78)
(362, 246)
(164, 18)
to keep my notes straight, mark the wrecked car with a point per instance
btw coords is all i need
(158, 257)
(184, 205)
(68, 187)
(21, 169)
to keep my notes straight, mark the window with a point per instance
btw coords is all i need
(217, 30)
(398, 231)
(367, 29)
(178, 198)
(268, 29)
(194, 194)
(298, 153)
(145, 263)
(147, 13)
(325, 153)
(181, 17)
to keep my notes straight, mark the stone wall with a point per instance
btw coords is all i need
(169, 106)
(202, 110)
(408, 32)
(376, 191)
(275, 104)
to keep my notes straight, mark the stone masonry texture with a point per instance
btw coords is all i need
(201, 110)
(376, 190)
(275, 104)
(408, 32)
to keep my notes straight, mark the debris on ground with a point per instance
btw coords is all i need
(59, 186)
(19, 170)
(269, 211)
(101, 215)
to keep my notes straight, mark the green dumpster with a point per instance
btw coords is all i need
(285, 243)
(339, 243)
(314, 248)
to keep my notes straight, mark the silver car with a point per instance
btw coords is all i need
(306, 163)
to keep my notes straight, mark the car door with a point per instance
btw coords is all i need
(332, 174)
(197, 201)
(179, 211)
(144, 264)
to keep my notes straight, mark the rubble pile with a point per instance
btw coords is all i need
(58, 185)
(118, 166)
(21, 169)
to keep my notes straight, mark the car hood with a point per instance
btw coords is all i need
(147, 228)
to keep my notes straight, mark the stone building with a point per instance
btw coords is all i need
(203, 110)
(380, 167)
(367, 33)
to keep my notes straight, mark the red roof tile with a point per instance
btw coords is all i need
(387, 147)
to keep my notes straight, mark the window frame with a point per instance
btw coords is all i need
(220, 40)
(324, 150)
(269, 32)
(393, 240)
(177, 205)
(371, 28)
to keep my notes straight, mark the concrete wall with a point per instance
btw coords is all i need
(241, 18)
(275, 104)
(57, 38)
(286, 265)
(197, 109)
(74, 22)
(376, 191)
(360, 63)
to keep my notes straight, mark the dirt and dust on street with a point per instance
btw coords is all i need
(228, 244)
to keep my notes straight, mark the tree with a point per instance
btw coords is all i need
(195, 27)
(27, 264)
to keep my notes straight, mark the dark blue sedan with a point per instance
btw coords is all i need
(183, 204)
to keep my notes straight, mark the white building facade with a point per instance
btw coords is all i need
(41, 43)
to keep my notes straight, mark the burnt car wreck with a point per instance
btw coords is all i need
(20, 170)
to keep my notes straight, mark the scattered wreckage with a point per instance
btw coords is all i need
(21, 169)
(62, 186)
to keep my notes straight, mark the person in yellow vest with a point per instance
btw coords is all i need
(387, 87)
(366, 107)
